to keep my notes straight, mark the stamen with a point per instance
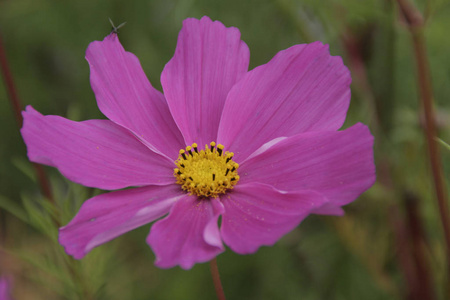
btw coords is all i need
(220, 149)
(206, 173)
(183, 154)
(188, 149)
(230, 156)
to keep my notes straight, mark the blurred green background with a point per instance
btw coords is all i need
(371, 253)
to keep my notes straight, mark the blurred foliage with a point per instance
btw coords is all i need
(354, 257)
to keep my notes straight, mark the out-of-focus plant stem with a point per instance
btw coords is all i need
(78, 279)
(216, 279)
(355, 239)
(354, 44)
(289, 11)
(402, 240)
(425, 289)
(415, 23)
(42, 178)
(17, 108)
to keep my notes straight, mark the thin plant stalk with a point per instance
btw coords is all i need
(42, 177)
(418, 249)
(216, 279)
(416, 25)
(13, 97)
(402, 240)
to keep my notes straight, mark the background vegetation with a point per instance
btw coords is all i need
(390, 243)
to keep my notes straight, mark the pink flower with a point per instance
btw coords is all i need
(280, 120)
(5, 288)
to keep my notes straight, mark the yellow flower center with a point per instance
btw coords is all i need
(206, 173)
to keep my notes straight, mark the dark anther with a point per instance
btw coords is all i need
(179, 172)
(226, 173)
(233, 179)
(220, 151)
(214, 176)
(182, 165)
(195, 149)
(212, 148)
(190, 152)
(191, 178)
(228, 159)
(234, 168)
(184, 156)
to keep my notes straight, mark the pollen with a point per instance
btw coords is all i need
(206, 173)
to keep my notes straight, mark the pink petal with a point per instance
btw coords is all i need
(95, 153)
(301, 89)
(110, 215)
(339, 165)
(126, 97)
(329, 209)
(5, 288)
(189, 235)
(257, 214)
(208, 61)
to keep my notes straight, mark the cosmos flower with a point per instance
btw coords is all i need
(258, 149)
(5, 288)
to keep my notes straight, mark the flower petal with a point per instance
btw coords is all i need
(339, 165)
(126, 97)
(107, 216)
(188, 235)
(5, 288)
(95, 153)
(258, 214)
(301, 89)
(208, 61)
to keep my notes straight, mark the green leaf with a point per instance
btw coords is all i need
(39, 218)
(25, 167)
(13, 209)
(443, 143)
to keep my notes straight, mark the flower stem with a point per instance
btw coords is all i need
(17, 108)
(415, 22)
(424, 289)
(216, 279)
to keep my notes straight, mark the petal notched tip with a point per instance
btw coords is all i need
(32, 121)
(110, 40)
(204, 21)
(188, 235)
(259, 215)
(334, 60)
(70, 248)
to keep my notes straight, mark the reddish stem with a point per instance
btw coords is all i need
(415, 22)
(425, 288)
(216, 279)
(402, 240)
(17, 108)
